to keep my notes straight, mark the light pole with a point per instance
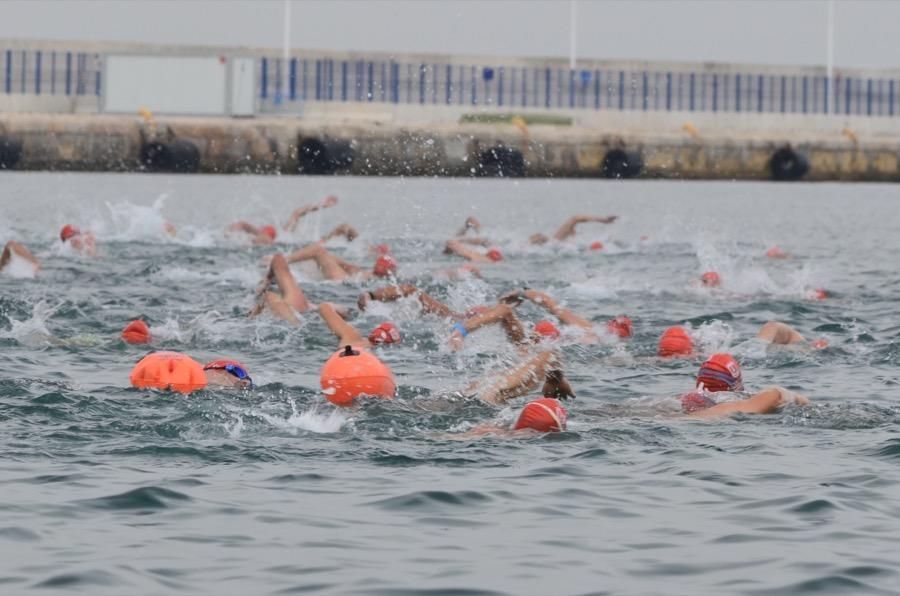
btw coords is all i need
(573, 32)
(829, 59)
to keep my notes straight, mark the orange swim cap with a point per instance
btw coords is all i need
(386, 333)
(68, 231)
(711, 279)
(620, 326)
(494, 254)
(351, 372)
(819, 344)
(720, 372)
(776, 253)
(136, 332)
(818, 294)
(168, 370)
(675, 341)
(269, 231)
(385, 265)
(546, 329)
(544, 415)
(596, 245)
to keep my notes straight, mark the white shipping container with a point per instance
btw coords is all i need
(181, 85)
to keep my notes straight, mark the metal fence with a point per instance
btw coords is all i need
(327, 79)
(39, 72)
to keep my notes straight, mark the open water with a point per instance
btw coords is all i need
(105, 489)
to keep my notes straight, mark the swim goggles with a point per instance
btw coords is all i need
(234, 370)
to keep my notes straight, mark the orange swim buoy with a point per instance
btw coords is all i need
(168, 370)
(351, 372)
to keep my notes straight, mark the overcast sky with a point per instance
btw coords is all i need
(758, 31)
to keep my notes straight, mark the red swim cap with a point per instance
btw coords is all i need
(596, 245)
(696, 400)
(385, 265)
(711, 279)
(721, 372)
(351, 372)
(675, 341)
(546, 329)
(136, 332)
(819, 344)
(818, 294)
(68, 231)
(494, 254)
(620, 326)
(776, 253)
(386, 333)
(269, 231)
(382, 249)
(544, 415)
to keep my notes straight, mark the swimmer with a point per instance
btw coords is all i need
(291, 224)
(336, 269)
(565, 316)
(778, 333)
(711, 279)
(776, 253)
(457, 246)
(17, 250)
(261, 236)
(384, 334)
(524, 378)
(500, 313)
(227, 373)
(81, 242)
(721, 374)
(428, 304)
(291, 299)
(567, 230)
(137, 332)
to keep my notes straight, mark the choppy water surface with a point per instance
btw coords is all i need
(110, 490)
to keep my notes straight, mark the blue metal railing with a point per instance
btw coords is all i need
(50, 72)
(598, 89)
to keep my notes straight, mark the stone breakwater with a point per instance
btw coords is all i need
(509, 147)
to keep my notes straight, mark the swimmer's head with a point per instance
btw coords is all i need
(620, 326)
(546, 330)
(675, 342)
(494, 254)
(136, 332)
(720, 372)
(818, 294)
(696, 400)
(227, 373)
(68, 231)
(711, 279)
(386, 333)
(596, 245)
(543, 415)
(776, 253)
(269, 231)
(385, 266)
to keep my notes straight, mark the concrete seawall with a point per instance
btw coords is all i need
(524, 144)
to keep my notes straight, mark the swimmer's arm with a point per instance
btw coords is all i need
(477, 241)
(568, 229)
(565, 315)
(519, 380)
(780, 333)
(299, 213)
(243, 226)
(456, 247)
(502, 313)
(764, 402)
(345, 332)
(471, 224)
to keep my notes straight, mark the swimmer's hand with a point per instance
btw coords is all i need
(330, 201)
(789, 397)
(363, 300)
(557, 386)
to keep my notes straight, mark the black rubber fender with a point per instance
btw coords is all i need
(324, 156)
(621, 163)
(501, 162)
(788, 164)
(177, 155)
(10, 152)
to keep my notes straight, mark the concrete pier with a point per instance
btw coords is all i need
(518, 145)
